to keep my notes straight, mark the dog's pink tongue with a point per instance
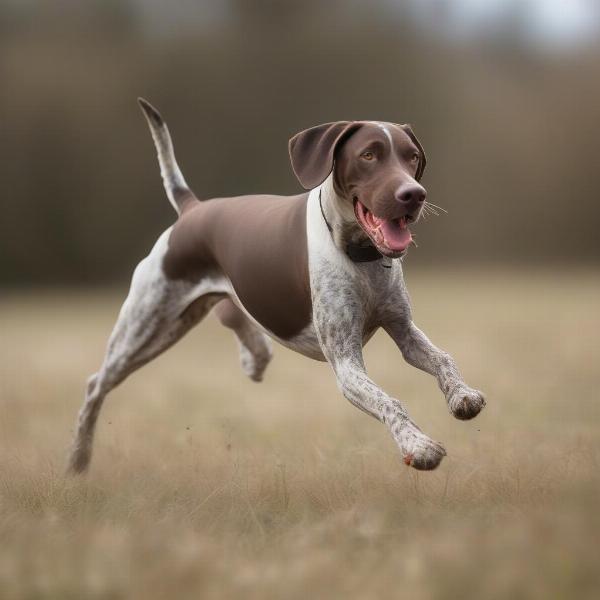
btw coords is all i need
(396, 234)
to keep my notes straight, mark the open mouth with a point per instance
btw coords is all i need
(390, 236)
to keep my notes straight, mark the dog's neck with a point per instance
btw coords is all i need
(338, 213)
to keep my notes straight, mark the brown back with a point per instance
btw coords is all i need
(260, 243)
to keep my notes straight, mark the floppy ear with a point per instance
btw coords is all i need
(423, 160)
(312, 151)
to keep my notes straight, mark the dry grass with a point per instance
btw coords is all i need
(206, 485)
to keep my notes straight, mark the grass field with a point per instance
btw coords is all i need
(206, 485)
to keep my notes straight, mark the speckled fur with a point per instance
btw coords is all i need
(351, 300)
(156, 314)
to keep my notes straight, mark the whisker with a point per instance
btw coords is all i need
(435, 206)
(430, 211)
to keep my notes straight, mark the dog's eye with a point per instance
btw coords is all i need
(368, 155)
(414, 158)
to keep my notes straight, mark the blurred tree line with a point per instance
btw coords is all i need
(511, 134)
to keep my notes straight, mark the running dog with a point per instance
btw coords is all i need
(318, 272)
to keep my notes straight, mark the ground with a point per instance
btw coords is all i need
(206, 485)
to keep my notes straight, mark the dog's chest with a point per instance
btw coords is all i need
(307, 343)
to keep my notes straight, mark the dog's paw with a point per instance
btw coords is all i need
(79, 459)
(254, 364)
(465, 403)
(419, 450)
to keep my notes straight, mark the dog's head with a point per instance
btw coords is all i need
(376, 168)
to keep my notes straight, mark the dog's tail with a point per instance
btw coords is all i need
(178, 191)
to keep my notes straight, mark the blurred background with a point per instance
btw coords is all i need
(505, 96)
(204, 485)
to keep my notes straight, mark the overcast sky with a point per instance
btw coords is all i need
(549, 21)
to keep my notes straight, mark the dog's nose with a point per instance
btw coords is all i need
(411, 194)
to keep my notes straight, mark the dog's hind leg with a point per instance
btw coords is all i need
(155, 315)
(255, 346)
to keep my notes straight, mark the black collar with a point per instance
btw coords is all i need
(355, 252)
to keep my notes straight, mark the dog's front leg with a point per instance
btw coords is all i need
(463, 401)
(418, 450)
(339, 326)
